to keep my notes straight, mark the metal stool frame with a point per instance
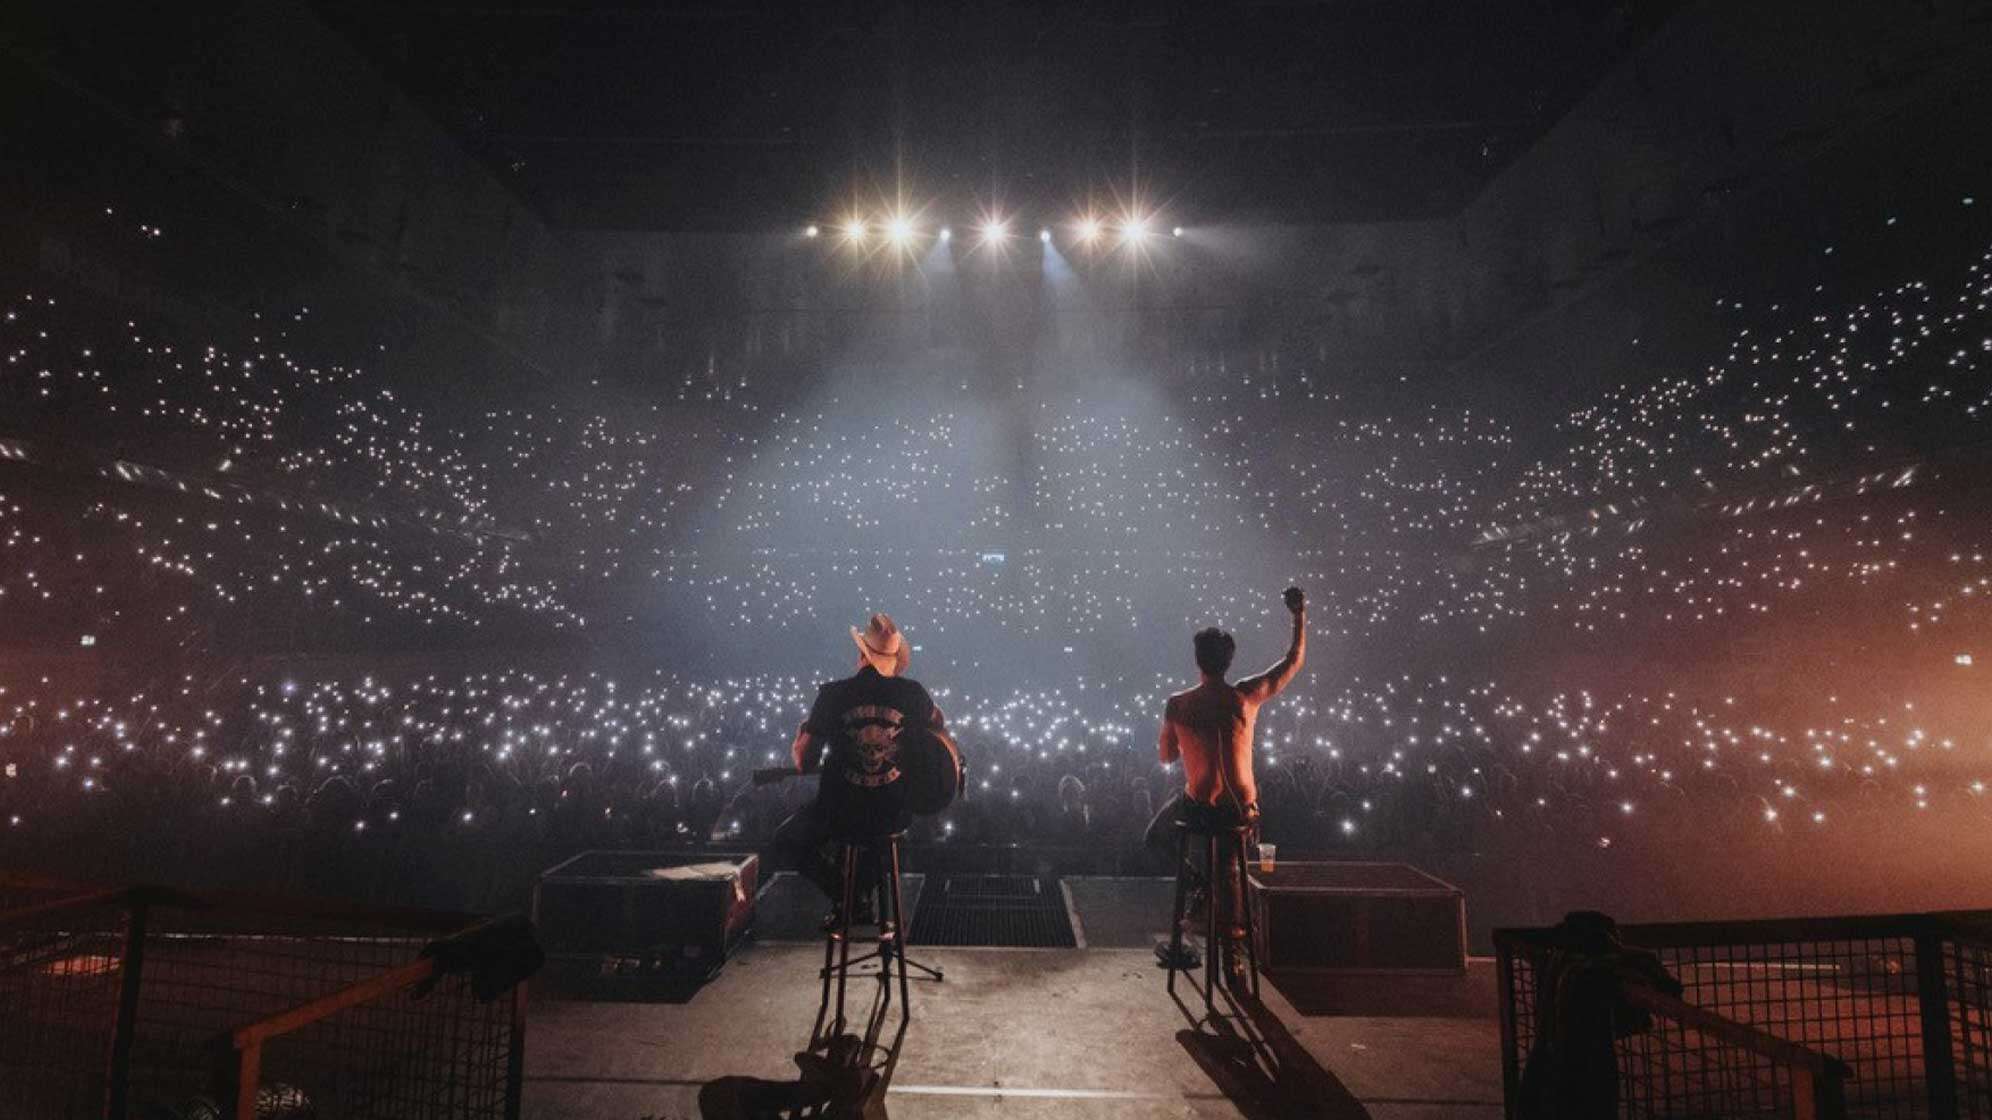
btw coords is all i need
(837, 959)
(1212, 838)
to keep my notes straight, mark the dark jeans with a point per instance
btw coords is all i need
(809, 843)
(1162, 837)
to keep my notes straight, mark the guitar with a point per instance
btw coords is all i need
(930, 771)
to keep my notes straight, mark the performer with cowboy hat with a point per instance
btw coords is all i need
(853, 737)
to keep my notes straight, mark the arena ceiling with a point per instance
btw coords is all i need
(757, 114)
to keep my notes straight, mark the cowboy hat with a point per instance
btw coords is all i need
(882, 646)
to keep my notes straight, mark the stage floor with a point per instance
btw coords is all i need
(1034, 1033)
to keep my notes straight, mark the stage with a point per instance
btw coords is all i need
(1027, 1032)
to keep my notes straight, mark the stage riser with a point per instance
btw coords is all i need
(1358, 917)
(609, 907)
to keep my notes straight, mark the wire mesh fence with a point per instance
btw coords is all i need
(125, 1004)
(1674, 1070)
(61, 972)
(1904, 1008)
(1968, 975)
(1855, 999)
(1670, 1067)
(200, 983)
(443, 1053)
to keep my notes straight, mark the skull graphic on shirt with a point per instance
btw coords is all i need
(873, 733)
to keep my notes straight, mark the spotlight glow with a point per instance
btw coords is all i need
(1177, 232)
(854, 230)
(947, 234)
(1135, 230)
(900, 230)
(1044, 235)
(1089, 230)
(995, 231)
(810, 231)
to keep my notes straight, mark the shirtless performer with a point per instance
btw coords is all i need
(1209, 728)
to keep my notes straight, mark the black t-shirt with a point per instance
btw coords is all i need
(860, 718)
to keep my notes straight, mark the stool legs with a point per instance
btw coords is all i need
(844, 929)
(898, 933)
(1225, 896)
(1176, 913)
(1213, 945)
(1244, 902)
(891, 936)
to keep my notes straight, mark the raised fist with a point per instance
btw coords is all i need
(1296, 599)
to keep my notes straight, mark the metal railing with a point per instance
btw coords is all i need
(145, 1001)
(1886, 1016)
(1692, 1062)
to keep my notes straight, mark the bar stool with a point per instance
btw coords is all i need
(1213, 839)
(837, 960)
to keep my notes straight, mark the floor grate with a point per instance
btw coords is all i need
(1016, 911)
(1011, 888)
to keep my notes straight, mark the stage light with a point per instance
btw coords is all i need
(995, 231)
(900, 231)
(1177, 232)
(1135, 230)
(1044, 235)
(810, 231)
(1089, 230)
(854, 230)
(946, 234)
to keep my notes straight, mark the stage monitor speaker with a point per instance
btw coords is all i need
(648, 912)
(1357, 917)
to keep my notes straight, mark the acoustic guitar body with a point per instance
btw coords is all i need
(930, 771)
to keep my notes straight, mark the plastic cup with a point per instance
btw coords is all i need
(1268, 854)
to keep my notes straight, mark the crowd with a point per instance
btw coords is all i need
(183, 510)
(1812, 458)
(450, 787)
